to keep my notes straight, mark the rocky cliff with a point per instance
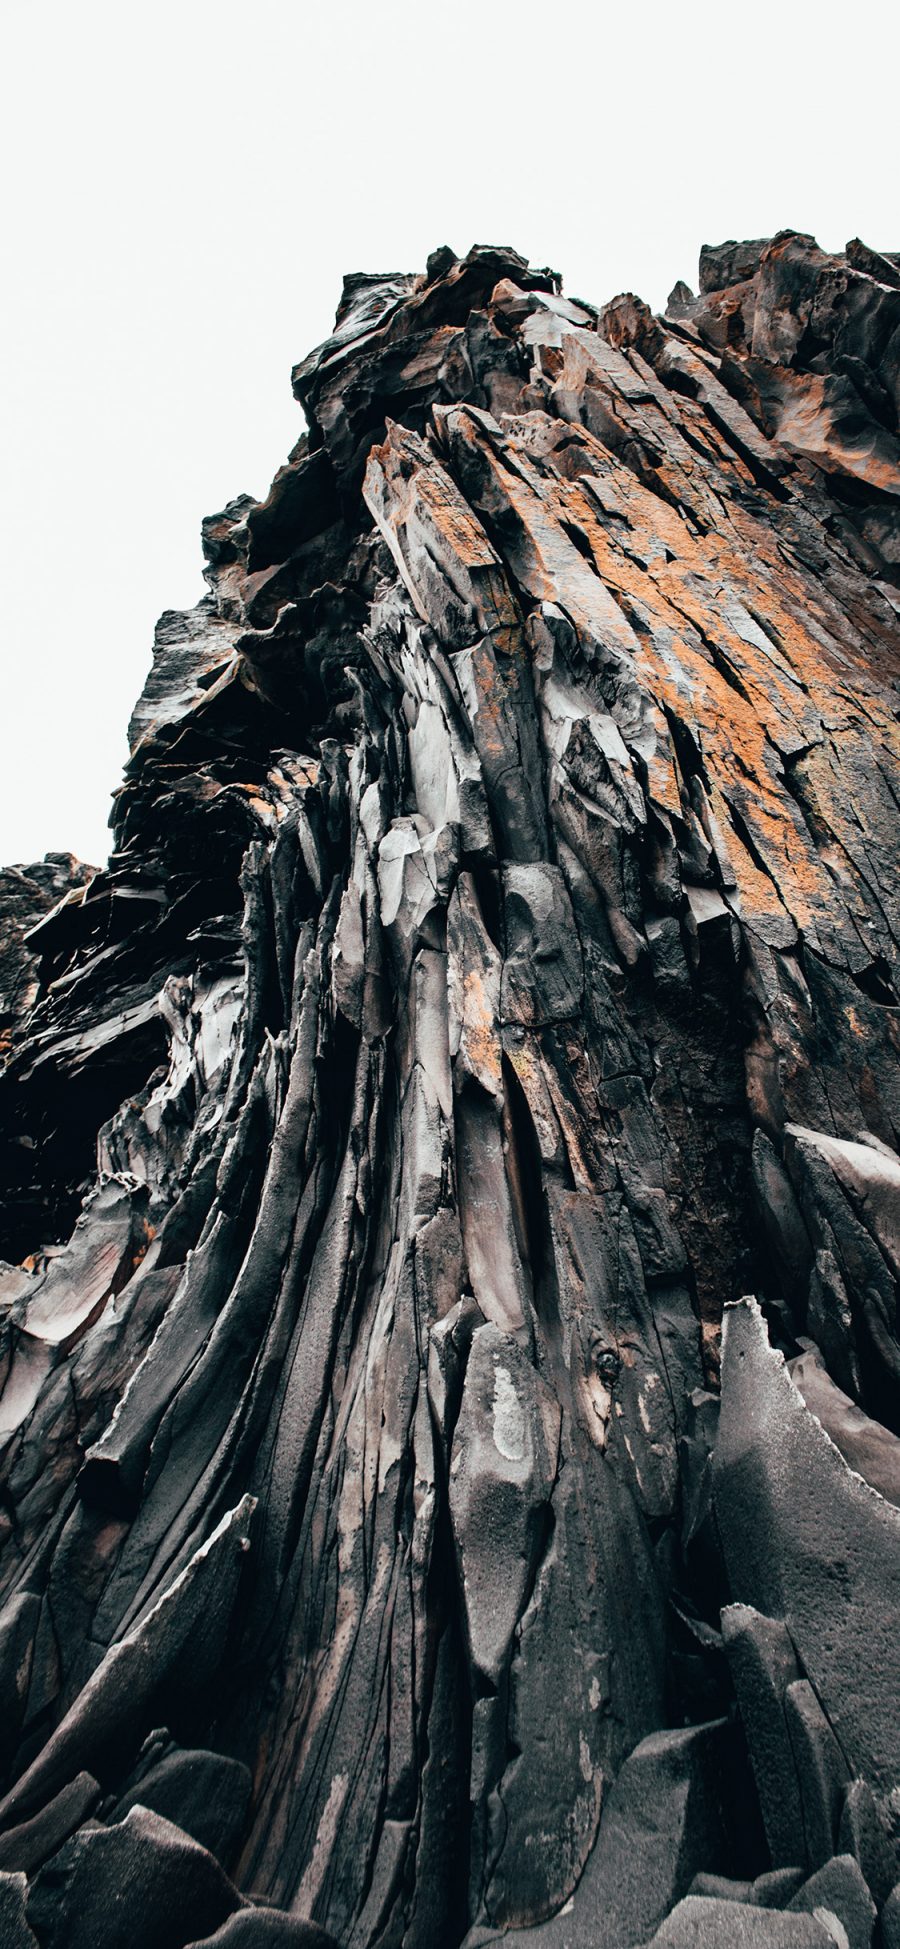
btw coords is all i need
(412, 1529)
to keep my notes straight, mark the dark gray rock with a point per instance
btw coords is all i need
(173, 1646)
(663, 1819)
(805, 1538)
(26, 1847)
(14, 1930)
(821, 1769)
(501, 1475)
(782, 1218)
(838, 1889)
(267, 1928)
(702, 1924)
(721, 1888)
(730, 263)
(763, 1664)
(829, 1323)
(206, 1794)
(27, 893)
(139, 1885)
(774, 1890)
(868, 1448)
(864, 1833)
(542, 977)
(680, 301)
(889, 1920)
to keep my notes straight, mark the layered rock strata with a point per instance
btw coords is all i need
(493, 981)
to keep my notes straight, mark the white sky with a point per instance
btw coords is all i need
(185, 186)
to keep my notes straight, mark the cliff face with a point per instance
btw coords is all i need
(494, 980)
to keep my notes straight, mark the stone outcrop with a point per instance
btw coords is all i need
(494, 981)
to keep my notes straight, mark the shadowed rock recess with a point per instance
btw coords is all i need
(412, 1531)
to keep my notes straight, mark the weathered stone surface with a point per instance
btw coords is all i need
(771, 1890)
(204, 1793)
(721, 1888)
(27, 1847)
(774, 1890)
(889, 1920)
(260, 1928)
(821, 1769)
(27, 894)
(808, 1539)
(142, 1883)
(838, 1889)
(663, 1818)
(14, 1930)
(169, 1651)
(864, 1833)
(763, 1664)
(698, 1923)
(867, 1447)
(495, 974)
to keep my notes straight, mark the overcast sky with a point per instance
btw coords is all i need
(185, 186)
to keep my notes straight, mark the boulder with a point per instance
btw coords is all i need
(141, 1884)
(205, 1794)
(662, 1824)
(267, 1928)
(698, 1923)
(26, 1847)
(14, 1930)
(763, 1664)
(864, 1833)
(889, 1920)
(838, 1890)
(807, 1540)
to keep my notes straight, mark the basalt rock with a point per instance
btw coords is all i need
(27, 893)
(703, 1923)
(493, 981)
(839, 1890)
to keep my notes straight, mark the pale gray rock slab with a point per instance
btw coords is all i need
(700, 1924)
(661, 1821)
(839, 1889)
(502, 1470)
(867, 1447)
(805, 1538)
(762, 1662)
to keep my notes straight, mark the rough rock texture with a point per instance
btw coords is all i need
(494, 979)
(27, 893)
(718, 1924)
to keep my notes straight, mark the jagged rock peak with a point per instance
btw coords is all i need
(492, 989)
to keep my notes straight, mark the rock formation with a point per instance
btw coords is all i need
(494, 981)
